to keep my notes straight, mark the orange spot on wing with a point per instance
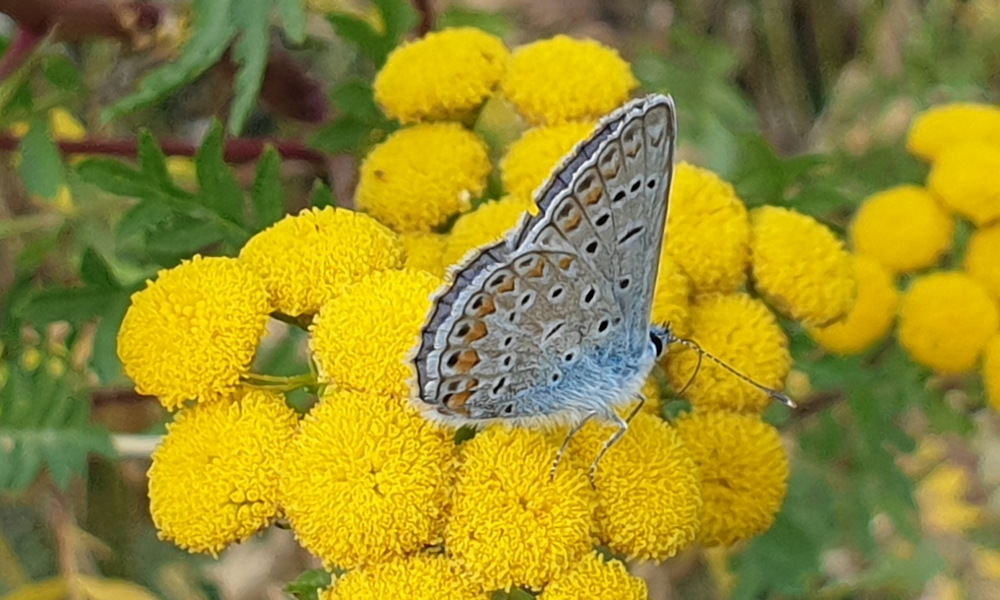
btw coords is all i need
(477, 332)
(466, 360)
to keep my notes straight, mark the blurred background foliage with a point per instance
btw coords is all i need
(136, 139)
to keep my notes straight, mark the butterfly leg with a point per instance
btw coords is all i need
(622, 428)
(562, 449)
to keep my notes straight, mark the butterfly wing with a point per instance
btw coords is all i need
(523, 328)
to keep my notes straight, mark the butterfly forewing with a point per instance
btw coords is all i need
(541, 323)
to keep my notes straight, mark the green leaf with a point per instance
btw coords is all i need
(62, 72)
(105, 362)
(322, 196)
(496, 23)
(399, 17)
(153, 161)
(268, 192)
(182, 238)
(96, 273)
(308, 584)
(220, 192)
(345, 135)
(41, 164)
(213, 31)
(75, 305)
(45, 423)
(250, 51)
(118, 178)
(293, 15)
(145, 216)
(356, 98)
(369, 42)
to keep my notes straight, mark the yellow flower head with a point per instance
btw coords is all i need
(214, 479)
(511, 524)
(648, 487)
(982, 258)
(991, 371)
(945, 321)
(708, 233)
(904, 228)
(801, 266)
(562, 79)
(530, 160)
(361, 339)
(936, 129)
(594, 577)
(962, 176)
(872, 316)
(671, 299)
(424, 252)
(744, 470)
(742, 332)
(418, 577)
(366, 479)
(193, 332)
(941, 496)
(308, 259)
(443, 76)
(487, 224)
(422, 175)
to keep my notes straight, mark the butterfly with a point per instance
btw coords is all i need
(551, 325)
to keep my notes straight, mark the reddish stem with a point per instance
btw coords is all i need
(426, 16)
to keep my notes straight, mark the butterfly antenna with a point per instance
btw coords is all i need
(697, 367)
(774, 394)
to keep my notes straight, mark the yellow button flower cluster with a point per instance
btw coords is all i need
(947, 318)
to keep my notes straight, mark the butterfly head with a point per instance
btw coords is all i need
(661, 336)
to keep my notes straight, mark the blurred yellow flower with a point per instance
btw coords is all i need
(512, 524)
(424, 252)
(744, 471)
(648, 487)
(991, 371)
(982, 258)
(361, 339)
(962, 176)
(214, 479)
(941, 498)
(420, 577)
(366, 479)
(946, 125)
(489, 223)
(671, 301)
(445, 75)
(595, 577)
(904, 228)
(563, 79)
(422, 175)
(311, 258)
(193, 332)
(708, 233)
(65, 126)
(531, 159)
(945, 320)
(742, 332)
(800, 266)
(872, 316)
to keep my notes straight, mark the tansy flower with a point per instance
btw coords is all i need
(670, 300)
(418, 577)
(512, 524)
(310, 258)
(193, 332)
(742, 332)
(801, 266)
(871, 317)
(708, 233)
(982, 258)
(424, 252)
(962, 177)
(361, 339)
(530, 160)
(945, 320)
(648, 487)
(991, 371)
(594, 577)
(563, 79)
(744, 472)
(214, 479)
(458, 69)
(422, 175)
(943, 506)
(366, 479)
(936, 129)
(903, 228)
(487, 224)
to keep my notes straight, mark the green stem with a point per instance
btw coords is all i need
(280, 382)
